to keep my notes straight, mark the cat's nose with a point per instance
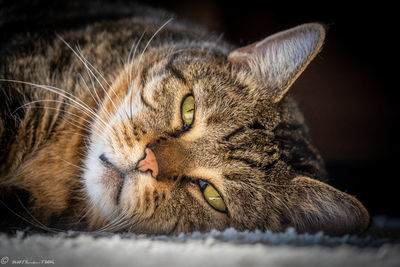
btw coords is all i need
(149, 163)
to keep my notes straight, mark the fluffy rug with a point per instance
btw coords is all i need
(380, 246)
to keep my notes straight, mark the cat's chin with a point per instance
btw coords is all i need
(110, 193)
(101, 194)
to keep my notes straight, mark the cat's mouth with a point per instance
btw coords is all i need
(113, 178)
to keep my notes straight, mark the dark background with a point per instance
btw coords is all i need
(348, 94)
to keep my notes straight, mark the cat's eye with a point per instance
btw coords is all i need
(212, 196)
(187, 111)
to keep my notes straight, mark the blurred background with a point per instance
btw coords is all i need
(348, 93)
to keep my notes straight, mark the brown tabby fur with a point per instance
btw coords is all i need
(248, 138)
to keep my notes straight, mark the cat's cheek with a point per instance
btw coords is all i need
(129, 198)
(134, 192)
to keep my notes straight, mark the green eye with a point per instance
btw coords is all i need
(212, 196)
(187, 111)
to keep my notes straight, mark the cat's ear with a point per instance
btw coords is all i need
(315, 206)
(274, 63)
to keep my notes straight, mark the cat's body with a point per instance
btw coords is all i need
(112, 150)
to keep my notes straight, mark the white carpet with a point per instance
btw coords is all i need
(228, 248)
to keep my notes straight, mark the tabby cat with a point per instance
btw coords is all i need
(148, 124)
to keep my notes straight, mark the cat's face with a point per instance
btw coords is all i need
(190, 141)
(186, 153)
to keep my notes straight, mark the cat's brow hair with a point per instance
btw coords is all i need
(175, 71)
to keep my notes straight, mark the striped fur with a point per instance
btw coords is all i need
(76, 119)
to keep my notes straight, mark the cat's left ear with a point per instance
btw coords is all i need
(312, 206)
(274, 63)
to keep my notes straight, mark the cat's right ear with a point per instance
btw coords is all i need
(274, 63)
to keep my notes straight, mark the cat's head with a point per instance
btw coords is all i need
(195, 137)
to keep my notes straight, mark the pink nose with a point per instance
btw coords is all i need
(149, 163)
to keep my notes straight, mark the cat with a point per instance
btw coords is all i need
(153, 125)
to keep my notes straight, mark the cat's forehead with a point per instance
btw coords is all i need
(222, 103)
(186, 64)
(205, 74)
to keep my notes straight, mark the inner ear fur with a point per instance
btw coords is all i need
(315, 206)
(274, 63)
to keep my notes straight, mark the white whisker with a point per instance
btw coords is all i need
(97, 98)
(117, 223)
(148, 43)
(100, 74)
(57, 91)
(130, 59)
(53, 89)
(33, 223)
(78, 125)
(88, 68)
(56, 101)
(36, 220)
(141, 56)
